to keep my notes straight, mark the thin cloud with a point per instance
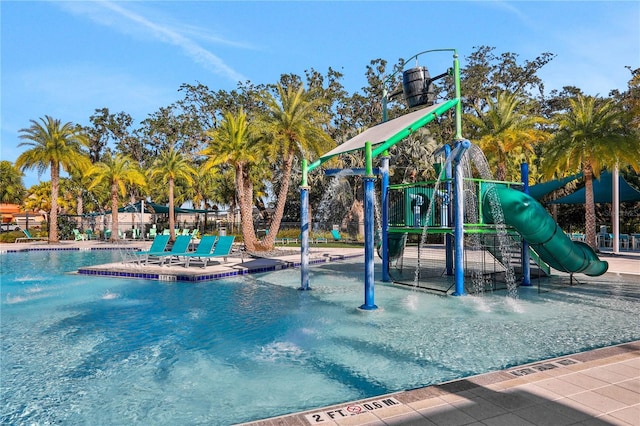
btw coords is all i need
(158, 31)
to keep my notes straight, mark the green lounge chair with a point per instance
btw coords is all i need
(79, 236)
(29, 237)
(159, 244)
(221, 249)
(203, 249)
(180, 247)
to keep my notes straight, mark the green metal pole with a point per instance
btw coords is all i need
(406, 132)
(305, 172)
(456, 77)
(368, 159)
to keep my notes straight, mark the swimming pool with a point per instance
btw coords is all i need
(88, 350)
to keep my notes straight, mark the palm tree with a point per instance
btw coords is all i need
(203, 184)
(169, 168)
(591, 136)
(291, 127)
(38, 199)
(507, 129)
(233, 143)
(53, 146)
(12, 189)
(116, 173)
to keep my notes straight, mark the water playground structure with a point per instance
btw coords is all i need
(474, 216)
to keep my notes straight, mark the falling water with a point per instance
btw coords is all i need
(473, 242)
(377, 218)
(336, 186)
(423, 237)
(480, 161)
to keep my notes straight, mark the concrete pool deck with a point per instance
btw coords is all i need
(596, 387)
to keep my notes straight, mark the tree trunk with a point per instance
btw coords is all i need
(270, 238)
(589, 208)
(53, 216)
(353, 222)
(79, 210)
(114, 212)
(245, 199)
(501, 172)
(172, 214)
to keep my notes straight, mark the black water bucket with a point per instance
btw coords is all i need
(417, 87)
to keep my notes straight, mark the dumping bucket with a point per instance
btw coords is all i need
(414, 86)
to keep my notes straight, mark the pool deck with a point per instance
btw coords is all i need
(597, 387)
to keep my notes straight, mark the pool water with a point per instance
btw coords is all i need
(89, 350)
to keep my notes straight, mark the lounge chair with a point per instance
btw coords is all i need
(79, 236)
(159, 244)
(319, 240)
(180, 247)
(29, 237)
(203, 249)
(336, 235)
(222, 249)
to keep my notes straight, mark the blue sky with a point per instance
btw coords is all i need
(65, 59)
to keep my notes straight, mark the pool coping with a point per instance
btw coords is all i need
(441, 403)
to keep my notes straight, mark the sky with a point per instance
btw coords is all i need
(67, 59)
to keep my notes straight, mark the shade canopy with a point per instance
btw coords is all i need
(384, 131)
(153, 208)
(541, 189)
(602, 192)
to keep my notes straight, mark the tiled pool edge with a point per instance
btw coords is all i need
(412, 398)
(28, 249)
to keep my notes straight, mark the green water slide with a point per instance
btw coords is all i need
(543, 234)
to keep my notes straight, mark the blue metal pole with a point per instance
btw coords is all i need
(304, 230)
(384, 205)
(369, 180)
(526, 267)
(458, 188)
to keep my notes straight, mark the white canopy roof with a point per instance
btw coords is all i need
(380, 133)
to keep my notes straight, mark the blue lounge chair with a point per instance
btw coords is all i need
(336, 235)
(203, 249)
(180, 247)
(222, 249)
(159, 244)
(29, 237)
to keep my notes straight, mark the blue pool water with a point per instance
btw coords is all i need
(89, 350)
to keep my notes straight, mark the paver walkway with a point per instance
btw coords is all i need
(598, 387)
